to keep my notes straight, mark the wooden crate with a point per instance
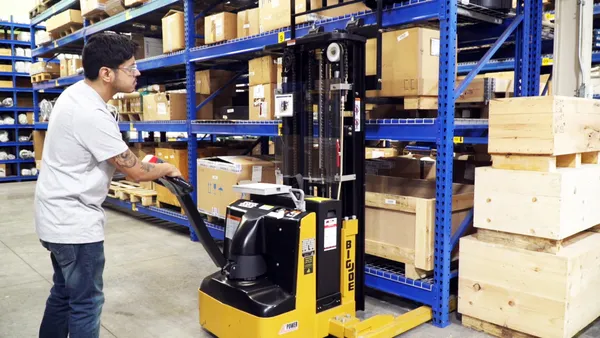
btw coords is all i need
(530, 285)
(400, 219)
(553, 205)
(545, 125)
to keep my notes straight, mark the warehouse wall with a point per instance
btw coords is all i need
(19, 9)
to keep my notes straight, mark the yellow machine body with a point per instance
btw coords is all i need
(227, 322)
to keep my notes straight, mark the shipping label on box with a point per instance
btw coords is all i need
(262, 102)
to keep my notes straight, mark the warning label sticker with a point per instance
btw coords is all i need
(231, 226)
(330, 238)
(309, 246)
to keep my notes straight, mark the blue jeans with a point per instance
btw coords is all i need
(76, 298)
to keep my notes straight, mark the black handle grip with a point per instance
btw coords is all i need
(177, 185)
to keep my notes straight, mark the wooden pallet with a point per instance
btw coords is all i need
(131, 117)
(37, 10)
(492, 329)
(172, 207)
(132, 192)
(42, 77)
(543, 163)
(65, 31)
(96, 17)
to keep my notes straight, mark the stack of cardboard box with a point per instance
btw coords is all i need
(262, 74)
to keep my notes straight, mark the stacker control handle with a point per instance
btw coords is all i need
(183, 189)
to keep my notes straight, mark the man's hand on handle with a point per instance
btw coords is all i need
(142, 171)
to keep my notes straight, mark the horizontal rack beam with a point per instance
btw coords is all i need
(509, 64)
(111, 21)
(17, 178)
(55, 9)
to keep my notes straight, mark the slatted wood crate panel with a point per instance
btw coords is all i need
(534, 286)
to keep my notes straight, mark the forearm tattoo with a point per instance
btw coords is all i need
(147, 167)
(126, 159)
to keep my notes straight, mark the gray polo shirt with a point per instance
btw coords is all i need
(75, 175)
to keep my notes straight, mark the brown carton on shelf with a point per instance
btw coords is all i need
(45, 67)
(134, 3)
(61, 21)
(371, 153)
(210, 80)
(178, 156)
(74, 65)
(275, 14)
(262, 70)
(91, 8)
(64, 67)
(218, 175)
(173, 33)
(172, 105)
(416, 73)
(248, 22)
(114, 7)
(5, 52)
(262, 102)
(220, 27)
(6, 68)
(39, 136)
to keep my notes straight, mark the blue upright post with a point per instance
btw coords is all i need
(445, 148)
(535, 46)
(190, 41)
(522, 48)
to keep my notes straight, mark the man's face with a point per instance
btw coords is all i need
(126, 77)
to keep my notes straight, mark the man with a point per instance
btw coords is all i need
(82, 150)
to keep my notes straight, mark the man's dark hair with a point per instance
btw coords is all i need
(106, 50)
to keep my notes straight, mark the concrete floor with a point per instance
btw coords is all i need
(151, 278)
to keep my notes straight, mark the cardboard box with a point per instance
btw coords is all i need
(5, 52)
(134, 3)
(73, 66)
(148, 47)
(371, 57)
(6, 68)
(172, 105)
(220, 27)
(233, 113)
(61, 21)
(178, 156)
(262, 70)
(5, 170)
(39, 136)
(248, 23)
(92, 8)
(262, 102)
(30, 118)
(400, 219)
(217, 176)
(6, 84)
(45, 67)
(275, 14)
(371, 153)
(64, 67)
(210, 80)
(114, 7)
(173, 32)
(417, 72)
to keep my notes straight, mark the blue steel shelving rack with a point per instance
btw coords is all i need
(16, 128)
(526, 26)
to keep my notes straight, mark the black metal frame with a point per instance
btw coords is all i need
(297, 61)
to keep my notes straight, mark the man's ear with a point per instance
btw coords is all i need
(106, 74)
